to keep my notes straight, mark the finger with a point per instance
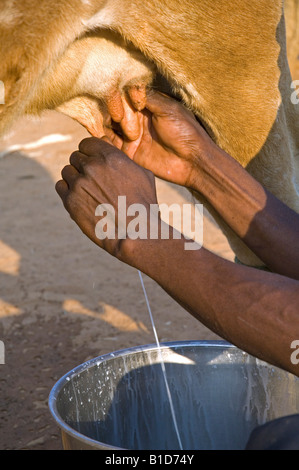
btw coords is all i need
(145, 141)
(62, 189)
(147, 126)
(69, 174)
(110, 142)
(159, 103)
(130, 124)
(78, 160)
(94, 147)
(114, 138)
(130, 147)
(145, 153)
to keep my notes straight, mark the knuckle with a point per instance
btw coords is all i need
(68, 201)
(74, 157)
(59, 186)
(65, 171)
(83, 144)
(92, 166)
(89, 145)
(118, 160)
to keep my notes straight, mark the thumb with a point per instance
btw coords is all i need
(159, 103)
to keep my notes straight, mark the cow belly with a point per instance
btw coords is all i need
(226, 60)
(292, 22)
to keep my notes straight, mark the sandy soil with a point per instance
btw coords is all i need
(62, 299)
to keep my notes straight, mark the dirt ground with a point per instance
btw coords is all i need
(62, 299)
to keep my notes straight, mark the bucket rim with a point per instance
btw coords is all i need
(108, 356)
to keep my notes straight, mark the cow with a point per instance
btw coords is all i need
(226, 61)
(292, 22)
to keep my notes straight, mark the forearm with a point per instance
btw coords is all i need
(255, 310)
(267, 226)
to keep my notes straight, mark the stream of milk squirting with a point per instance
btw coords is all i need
(162, 364)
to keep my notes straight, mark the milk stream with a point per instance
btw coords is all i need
(162, 364)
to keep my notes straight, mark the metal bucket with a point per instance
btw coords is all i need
(219, 393)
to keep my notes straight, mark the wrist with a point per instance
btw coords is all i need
(131, 250)
(144, 253)
(203, 163)
(213, 168)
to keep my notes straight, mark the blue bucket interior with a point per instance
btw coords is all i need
(219, 394)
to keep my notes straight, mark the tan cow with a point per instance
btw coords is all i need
(226, 60)
(292, 22)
